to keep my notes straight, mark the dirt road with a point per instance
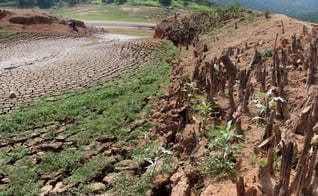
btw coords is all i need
(36, 67)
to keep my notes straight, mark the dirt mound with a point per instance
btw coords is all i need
(33, 20)
(178, 29)
(3, 13)
(184, 29)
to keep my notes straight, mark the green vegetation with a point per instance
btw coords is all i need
(86, 117)
(220, 160)
(266, 104)
(91, 42)
(8, 35)
(106, 12)
(132, 32)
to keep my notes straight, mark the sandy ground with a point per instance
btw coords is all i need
(35, 67)
(115, 24)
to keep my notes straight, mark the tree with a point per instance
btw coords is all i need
(46, 3)
(165, 2)
(73, 2)
(26, 3)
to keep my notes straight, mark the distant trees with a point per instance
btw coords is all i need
(73, 2)
(26, 3)
(46, 3)
(165, 2)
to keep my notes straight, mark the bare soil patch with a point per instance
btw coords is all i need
(35, 20)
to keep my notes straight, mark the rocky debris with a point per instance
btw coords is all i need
(5, 180)
(162, 184)
(60, 138)
(59, 188)
(3, 13)
(97, 187)
(110, 179)
(177, 29)
(54, 147)
(12, 95)
(180, 184)
(45, 190)
(107, 139)
(29, 20)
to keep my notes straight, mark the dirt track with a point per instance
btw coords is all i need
(33, 68)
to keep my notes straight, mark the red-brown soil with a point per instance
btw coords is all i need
(35, 20)
(178, 127)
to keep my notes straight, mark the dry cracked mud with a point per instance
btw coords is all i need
(36, 67)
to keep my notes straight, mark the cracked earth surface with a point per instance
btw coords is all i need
(33, 68)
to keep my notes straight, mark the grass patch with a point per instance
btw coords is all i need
(8, 35)
(132, 32)
(110, 12)
(92, 42)
(89, 114)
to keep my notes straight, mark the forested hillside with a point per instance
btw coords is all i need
(46, 3)
(302, 9)
(59, 3)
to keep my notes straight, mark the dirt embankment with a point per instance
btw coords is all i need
(258, 74)
(35, 20)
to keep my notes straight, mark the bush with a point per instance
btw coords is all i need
(165, 2)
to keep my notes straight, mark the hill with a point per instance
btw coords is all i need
(304, 10)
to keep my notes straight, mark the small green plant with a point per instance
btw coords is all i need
(162, 155)
(252, 161)
(205, 111)
(128, 185)
(266, 53)
(265, 103)
(159, 158)
(18, 153)
(220, 160)
(190, 89)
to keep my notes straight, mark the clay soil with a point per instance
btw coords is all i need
(182, 130)
(26, 20)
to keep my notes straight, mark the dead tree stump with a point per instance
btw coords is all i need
(294, 43)
(240, 186)
(302, 166)
(282, 187)
(312, 64)
(305, 30)
(283, 29)
(231, 71)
